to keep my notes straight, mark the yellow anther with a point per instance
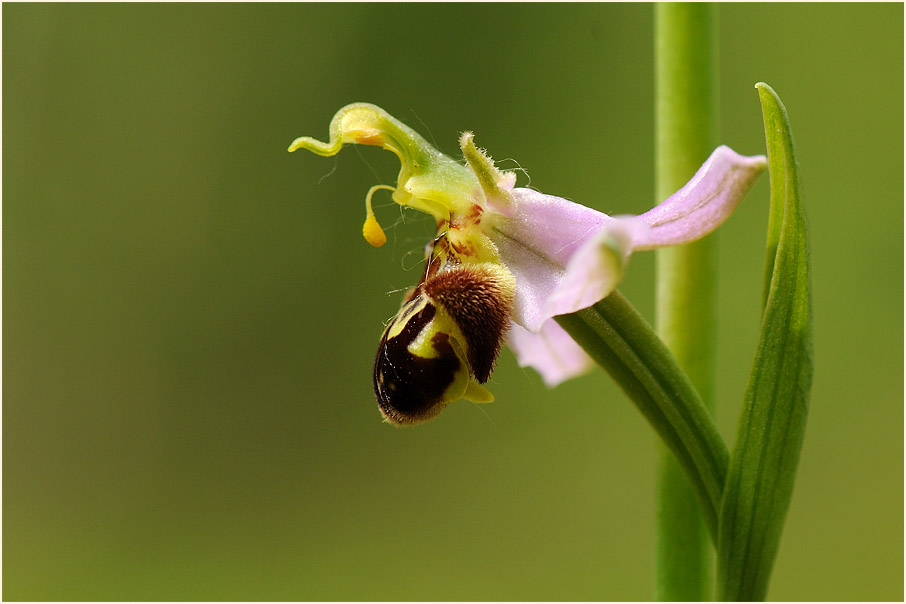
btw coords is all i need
(373, 232)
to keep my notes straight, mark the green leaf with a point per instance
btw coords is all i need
(619, 339)
(772, 425)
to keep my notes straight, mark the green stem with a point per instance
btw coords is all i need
(686, 132)
(620, 340)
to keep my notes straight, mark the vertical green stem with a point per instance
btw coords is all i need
(686, 124)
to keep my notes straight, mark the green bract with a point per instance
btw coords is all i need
(771, 429)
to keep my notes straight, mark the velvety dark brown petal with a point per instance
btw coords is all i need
(479, 299)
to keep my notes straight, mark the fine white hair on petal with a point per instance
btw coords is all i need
(551, 352)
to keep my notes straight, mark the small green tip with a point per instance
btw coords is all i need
(493, 182)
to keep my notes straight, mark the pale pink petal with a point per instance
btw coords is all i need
(596, 268)
(551, 352)
(537, 242)
(566, 256)
(704, 202)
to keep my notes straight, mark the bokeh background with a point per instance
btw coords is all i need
(190, 313)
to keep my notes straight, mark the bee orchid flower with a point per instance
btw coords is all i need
(505, 261)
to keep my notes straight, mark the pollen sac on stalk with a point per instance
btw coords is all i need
(443, 342)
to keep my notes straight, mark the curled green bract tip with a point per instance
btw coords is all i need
(366, 124)
(428, 180)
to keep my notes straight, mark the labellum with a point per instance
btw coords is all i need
(445, 339)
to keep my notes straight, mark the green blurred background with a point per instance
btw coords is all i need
(190, 313)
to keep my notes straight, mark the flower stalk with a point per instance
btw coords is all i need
(686, 131)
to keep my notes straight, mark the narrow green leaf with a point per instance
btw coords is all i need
(772, 425)
(620, 340)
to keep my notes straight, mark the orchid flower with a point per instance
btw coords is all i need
(506, 260)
